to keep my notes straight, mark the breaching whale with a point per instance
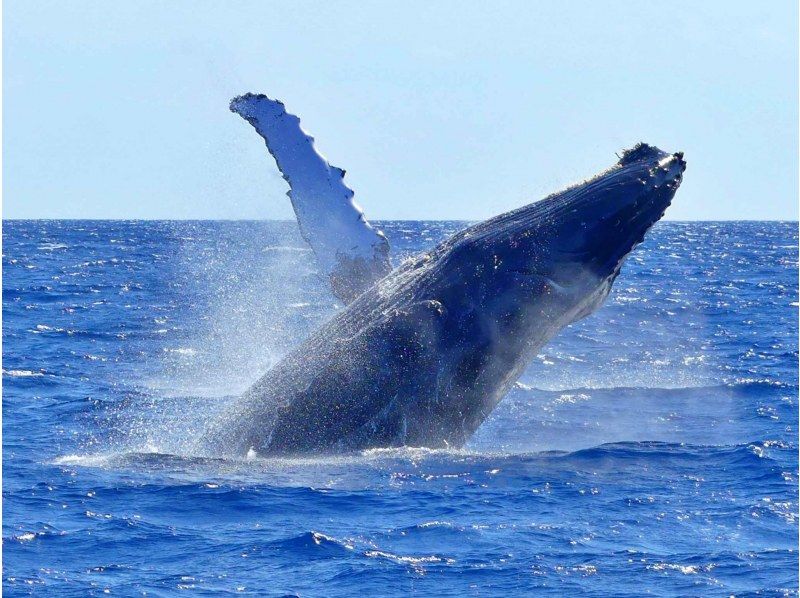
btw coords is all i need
(423, 355)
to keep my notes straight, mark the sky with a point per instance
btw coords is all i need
(437, 110)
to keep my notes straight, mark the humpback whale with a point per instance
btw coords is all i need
(423, 354)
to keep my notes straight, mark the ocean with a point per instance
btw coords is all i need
(651, 448)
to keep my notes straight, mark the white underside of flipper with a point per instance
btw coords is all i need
(350, 252)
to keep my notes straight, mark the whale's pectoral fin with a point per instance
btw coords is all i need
(351, 254)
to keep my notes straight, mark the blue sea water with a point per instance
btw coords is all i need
(649, 449)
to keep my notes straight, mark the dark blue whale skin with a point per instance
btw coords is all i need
(423, 356)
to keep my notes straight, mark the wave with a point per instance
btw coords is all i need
(22, 373)
(313, 544)
(52, 246)
(485, 463)
(24, 537)
(733, 383)
(663, 452)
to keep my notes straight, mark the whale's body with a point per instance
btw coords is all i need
(423, 356)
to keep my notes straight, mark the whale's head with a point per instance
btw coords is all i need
(550, 263)
(590, 234)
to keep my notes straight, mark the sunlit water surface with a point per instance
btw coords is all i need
(651, 448)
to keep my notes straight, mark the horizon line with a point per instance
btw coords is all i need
(4, 219)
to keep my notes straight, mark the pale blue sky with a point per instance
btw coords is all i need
(436, 109)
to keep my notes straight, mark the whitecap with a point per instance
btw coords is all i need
(21, 373)
(685, 569)
(25, 537)
(51, 246)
